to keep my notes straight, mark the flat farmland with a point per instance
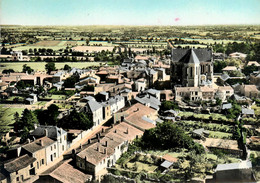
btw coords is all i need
(40, 66)
(92, 48)
(55, 45)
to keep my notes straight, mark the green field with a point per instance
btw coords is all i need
(40, 66)
(8, 113)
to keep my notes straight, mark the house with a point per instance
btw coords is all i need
(140, 84)
(116, 103)
(253, 63)
(224, 92)
(95, 110)
(149, 101)
(140, 116)
(107, 150)
(226, 106)
(241, 172)
(191, 67)
(168, 161)
(255, 79)
(154, 93)
(250, 91)
(53, 132)
(40, 149)
(238, 55)
(248, 112)
(19, 169)
(3, 86)
(18, 56)
(64, 172)
(194, 93)
(229, 69)
(31, 99)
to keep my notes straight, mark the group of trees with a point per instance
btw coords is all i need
(70, 81)
(167, 135)
(25, 123)
(167, 105)
(27, 69)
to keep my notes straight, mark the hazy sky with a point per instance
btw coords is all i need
(129, 12)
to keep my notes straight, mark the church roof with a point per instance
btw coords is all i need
(189, 55)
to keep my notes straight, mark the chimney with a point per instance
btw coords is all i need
(106, 143)
(115, 131)
(80, 146)
(89, 141)
(41, 143)
(103, 130)
(122, 118)
(46, 132)
(97, 149)
(28, 141)
(86, 158)
(105, 151)
(126, 130)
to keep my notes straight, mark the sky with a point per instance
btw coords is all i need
(129, 12)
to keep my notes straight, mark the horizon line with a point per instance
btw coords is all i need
(135, 25)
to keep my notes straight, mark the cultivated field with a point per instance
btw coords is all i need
(40, 66)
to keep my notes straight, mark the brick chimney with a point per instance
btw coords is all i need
(41, 142)
(126, 130)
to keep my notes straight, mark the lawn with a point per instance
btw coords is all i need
(219, 135)
(139, 167)
(64, 106)
(214, 116)
(8, 113)
(40, 66)
(257, 110)
(56, 97)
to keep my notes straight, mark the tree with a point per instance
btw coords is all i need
(70, 82)
(48, 116)
(167, 105)
(75, 120)
(50, 66)
(66, 67)
(167, 135)
(27, 69)
(249, 69)
(7, 71)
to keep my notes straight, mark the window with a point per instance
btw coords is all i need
(16, 172)
(51, 158)
(37, 165)
(21, 177)
(17, 179)
(31, 165)
(42, 161)
(54, 155)
(54, 146)
(51, 148)
(62, 147)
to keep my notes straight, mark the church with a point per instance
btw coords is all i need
(192, 67)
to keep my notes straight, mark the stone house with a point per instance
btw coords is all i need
(241, 172)
(57, 134)
(95, 110)
(19, 169)
(107, 150)
(38, 150)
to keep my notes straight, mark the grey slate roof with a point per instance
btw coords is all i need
(148, 99)
(203, 55)
(226, 106)
(148, 120)
(248, 111)
(166, 164)
(94, 105)
(224, 77)
(19, 163)
(53, 131)
(153, 91)
(232, 166)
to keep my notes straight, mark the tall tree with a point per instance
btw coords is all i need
(50, 66)
(27, 69)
